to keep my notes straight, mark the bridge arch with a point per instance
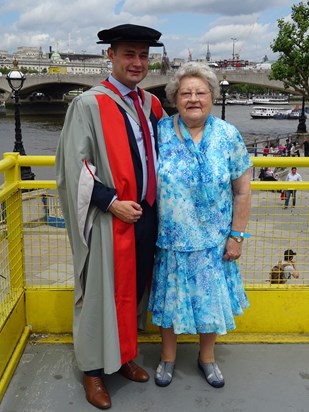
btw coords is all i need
(56, 85)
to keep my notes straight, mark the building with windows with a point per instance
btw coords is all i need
(52, 62)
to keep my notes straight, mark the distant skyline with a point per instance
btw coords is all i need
(246, 27)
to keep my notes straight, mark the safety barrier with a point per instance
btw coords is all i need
(36, 271)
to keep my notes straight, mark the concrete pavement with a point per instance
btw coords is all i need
(259, 378)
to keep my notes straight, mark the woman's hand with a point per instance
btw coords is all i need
(232, 250)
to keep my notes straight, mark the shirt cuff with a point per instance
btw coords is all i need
(112, 201)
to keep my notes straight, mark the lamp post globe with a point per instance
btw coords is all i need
(224, 85)
(16, 80)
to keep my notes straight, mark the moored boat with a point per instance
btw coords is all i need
(265, 112)
(293, 114)
(71, 94)
(244, 102)
(270, 100)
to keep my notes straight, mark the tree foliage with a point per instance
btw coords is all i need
(154, 66)
(292, 43)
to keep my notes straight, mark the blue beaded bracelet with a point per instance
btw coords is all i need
(241, 234)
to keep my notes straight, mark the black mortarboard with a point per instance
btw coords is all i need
(130, 33)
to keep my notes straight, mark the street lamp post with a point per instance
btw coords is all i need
(302, 119)
(224, 85)
(16, 80)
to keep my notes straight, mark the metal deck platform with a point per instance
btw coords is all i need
(259, 378)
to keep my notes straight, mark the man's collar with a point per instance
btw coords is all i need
(124, 90)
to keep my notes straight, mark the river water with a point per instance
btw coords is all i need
(41, 133)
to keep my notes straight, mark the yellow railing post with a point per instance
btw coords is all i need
(12, 174)
(13, 330)
(14, 222)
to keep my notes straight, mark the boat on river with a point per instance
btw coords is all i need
(68, 97)
(293, 114)
(242, 102)
(271, 100)
(266, 112)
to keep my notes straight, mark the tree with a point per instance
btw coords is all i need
(154, 66)
(292, 42)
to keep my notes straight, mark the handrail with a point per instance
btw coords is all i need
(26, 160)
(36, 160)
(38, 184)
(259, 161)
(281, 161)
(279, 185)
(6, 164)
(13, 159)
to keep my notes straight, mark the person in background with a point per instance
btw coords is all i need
(294, 151)
(290, 269)
(288, 146)
(265, 150)
(272, 149)
(204, 173)
(281, 150)
(106, 160)
(269, 174)
(293, 176)
(289, 265)
(284, 270)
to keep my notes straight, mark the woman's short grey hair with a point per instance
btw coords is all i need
(192, 69)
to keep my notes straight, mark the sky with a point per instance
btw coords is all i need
(245, 27)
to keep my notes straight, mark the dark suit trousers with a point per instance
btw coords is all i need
(145, 240)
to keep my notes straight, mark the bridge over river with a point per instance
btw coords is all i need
(53, 86)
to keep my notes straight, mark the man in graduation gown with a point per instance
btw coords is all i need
(103, 175)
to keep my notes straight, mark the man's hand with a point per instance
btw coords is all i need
(126, 210)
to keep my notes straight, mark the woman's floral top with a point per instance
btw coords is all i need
(194, 194)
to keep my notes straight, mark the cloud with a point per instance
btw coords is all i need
(228, 8)
(53, 22)
(251, 40)
(73, 24)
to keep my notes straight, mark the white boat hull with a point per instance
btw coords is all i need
(265, 112)
(270, 101)
(242, 102)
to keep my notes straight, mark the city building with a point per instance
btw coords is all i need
(54, 62)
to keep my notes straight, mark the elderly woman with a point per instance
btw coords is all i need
(203, 206)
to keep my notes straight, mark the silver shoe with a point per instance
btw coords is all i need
(212, 373)
(164, 373)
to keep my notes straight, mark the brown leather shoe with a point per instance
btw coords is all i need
(96, 392)
(132, 371)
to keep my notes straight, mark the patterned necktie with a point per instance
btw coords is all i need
(151, 183)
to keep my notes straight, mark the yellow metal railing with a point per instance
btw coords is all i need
(36, 271)
(32, 252)
(274, 228)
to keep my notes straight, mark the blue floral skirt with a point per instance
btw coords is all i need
(196, 292)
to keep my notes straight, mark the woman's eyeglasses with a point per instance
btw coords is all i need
(199, 95)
